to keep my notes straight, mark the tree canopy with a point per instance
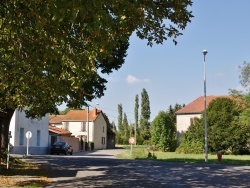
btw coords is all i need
(53, 51)
(145, 116)
(163, 132)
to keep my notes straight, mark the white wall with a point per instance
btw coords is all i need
(19, 121)
(183, 121)
(100, 131)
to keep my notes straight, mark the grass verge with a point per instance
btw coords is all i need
(142, 153)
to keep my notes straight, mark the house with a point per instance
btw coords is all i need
(86, 125)
(185, 116)
(20, 125)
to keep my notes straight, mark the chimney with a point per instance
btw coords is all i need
(95, 111)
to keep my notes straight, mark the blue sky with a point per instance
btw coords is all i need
(174, 74)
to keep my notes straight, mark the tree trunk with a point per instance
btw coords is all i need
(5, 117)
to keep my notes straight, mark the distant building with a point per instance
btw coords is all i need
(83, 126)
(185, 116)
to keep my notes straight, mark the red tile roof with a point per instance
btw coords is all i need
(59, 131)
(76, 115)
(197, 106)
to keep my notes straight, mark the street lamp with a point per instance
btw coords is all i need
(205, 106)
(88, 125)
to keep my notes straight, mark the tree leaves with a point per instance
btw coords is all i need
(53, 51)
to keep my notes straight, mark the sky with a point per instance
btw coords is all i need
(175, 73)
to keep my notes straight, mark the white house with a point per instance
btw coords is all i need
(86, 126)
(185, 116)
(20, 125)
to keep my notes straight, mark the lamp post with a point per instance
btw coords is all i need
(88, 125)
(205, 106)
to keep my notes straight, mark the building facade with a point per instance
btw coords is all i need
(20, 126)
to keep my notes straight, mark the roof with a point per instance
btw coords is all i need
(76, 115)
(59, 131)
(197, 106)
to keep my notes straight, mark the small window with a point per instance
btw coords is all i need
(192, 121)
(66, 126)
(103, 129)
(21, 136)
(38, 135)
(103, 140)
(83, 126)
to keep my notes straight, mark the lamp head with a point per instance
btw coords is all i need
(204, 52)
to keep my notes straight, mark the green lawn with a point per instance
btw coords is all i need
(140, 152)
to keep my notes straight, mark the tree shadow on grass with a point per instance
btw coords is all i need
(198, 161)
(25, 175)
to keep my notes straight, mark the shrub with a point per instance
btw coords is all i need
(191, 147)
(151, 156)
(92, 145)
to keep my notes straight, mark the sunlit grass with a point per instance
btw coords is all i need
(141, 152)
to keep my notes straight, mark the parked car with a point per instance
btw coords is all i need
(61, 147)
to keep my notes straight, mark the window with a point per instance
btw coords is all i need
(192, 121)
(66, 126)
(21, 136)
(83, 126)
(103, 129)
(103, 140)
(38, 134)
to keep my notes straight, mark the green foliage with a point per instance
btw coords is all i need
(118, 138)
(163, 132)
(120, 113)
(140, 153)
(171, 111)
(92, 145)
(145, 116)
(245, 74)
(192, 141)
(136, 111)
(58, 54)
(65, 111)
(126, 131)
(225, 130)
(152, 156)
(222, 134)
(190, 147)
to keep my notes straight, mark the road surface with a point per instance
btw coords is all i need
(102, 169)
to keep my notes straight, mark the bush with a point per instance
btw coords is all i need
(151, 156)
(92, 145)
(140, 154)
(191, 147)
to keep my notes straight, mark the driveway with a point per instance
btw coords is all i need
(101, 169)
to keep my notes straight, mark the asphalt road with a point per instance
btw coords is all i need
(102, 169)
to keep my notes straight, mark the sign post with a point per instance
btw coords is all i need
(131, 141)
(28, 136)
(8, 152)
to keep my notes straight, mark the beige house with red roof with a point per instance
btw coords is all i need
(82, 126)
(186, 115)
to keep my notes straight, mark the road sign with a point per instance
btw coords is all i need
(28, 135)
(131, 140)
